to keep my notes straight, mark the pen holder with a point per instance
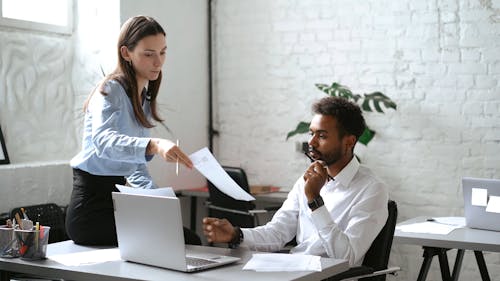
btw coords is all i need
(8, 244)
(33, 243)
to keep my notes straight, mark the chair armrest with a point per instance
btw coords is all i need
(362, 271)
(352, 272)
(272, 208)
(390, 270)
(228, 210)
(257, 211)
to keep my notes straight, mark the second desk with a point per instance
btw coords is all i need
(277, 197)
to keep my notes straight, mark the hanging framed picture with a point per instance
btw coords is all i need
(4, 157)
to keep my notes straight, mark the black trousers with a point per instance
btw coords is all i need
(90, 218)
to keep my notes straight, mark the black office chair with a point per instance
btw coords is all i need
(374, 267)
(239, 213)
(190, 237)
(48, 214)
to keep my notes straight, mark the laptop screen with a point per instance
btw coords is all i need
(482, 203)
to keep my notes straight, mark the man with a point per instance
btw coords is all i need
(335, 209)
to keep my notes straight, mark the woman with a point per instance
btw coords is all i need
(116, 143)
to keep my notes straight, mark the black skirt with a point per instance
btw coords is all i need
(90, 217)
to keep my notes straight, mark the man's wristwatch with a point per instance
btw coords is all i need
(237, 238)
(316, 203)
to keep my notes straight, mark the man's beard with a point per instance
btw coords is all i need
(328, 158)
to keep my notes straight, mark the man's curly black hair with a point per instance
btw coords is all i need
(348, 114)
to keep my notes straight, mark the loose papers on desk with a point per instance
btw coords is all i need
(207, 165)
(88, 257)
(283, 262)
(441, 225)
(163, 191)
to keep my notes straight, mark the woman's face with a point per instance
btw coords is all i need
(147, 58)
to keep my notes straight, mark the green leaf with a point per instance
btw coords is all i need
(377, 98)
(302, 127)
(367, 136)
(338, 90)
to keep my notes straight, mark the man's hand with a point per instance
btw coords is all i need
(315, 177)
(218, 230)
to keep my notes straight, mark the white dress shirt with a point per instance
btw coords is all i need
(355, 211)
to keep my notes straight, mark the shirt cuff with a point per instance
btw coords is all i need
(321, 218)
(247, 238)
(142, 146)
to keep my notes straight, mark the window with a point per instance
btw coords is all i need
(43, 15)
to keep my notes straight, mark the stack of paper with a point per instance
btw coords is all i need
(283, 262)
(441, 225)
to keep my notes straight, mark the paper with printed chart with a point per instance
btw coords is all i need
(207, 165)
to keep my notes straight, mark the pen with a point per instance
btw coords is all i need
(312, 160)
(177, 162)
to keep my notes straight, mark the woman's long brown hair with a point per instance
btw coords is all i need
(132, 31)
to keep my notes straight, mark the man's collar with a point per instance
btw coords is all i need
(345, 176)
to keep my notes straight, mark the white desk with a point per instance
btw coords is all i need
(122, 270)
(461, 239)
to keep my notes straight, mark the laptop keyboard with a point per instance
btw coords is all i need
(192, 261)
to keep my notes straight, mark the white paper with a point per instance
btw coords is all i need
(208, 166)
(163, 191)
(88, 257)
(283, 262)
(454, 221)
(493, 205)
(428, 227)
(479, 197)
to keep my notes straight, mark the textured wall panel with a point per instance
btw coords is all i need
(37, 96)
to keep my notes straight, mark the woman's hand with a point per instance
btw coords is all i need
(218, 230)
(168, 151)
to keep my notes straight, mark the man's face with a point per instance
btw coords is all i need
(325, 143)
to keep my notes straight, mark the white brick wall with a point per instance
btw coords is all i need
(439, 60)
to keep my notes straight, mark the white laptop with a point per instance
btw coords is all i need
(481, 198)
(150, 231)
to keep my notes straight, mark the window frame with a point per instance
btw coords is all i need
(38, 26)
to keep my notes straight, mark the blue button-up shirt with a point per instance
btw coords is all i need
(114, 142)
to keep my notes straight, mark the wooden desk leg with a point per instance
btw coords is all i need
(458, 264)
(482, 266)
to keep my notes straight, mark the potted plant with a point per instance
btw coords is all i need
(368, 102)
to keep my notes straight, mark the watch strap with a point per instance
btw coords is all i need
(237, 239)
(316, 203)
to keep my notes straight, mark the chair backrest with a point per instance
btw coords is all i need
(219, 199)
(377, 256)
(48, 214)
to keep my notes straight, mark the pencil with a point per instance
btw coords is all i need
(19, 221)
(177, 162)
